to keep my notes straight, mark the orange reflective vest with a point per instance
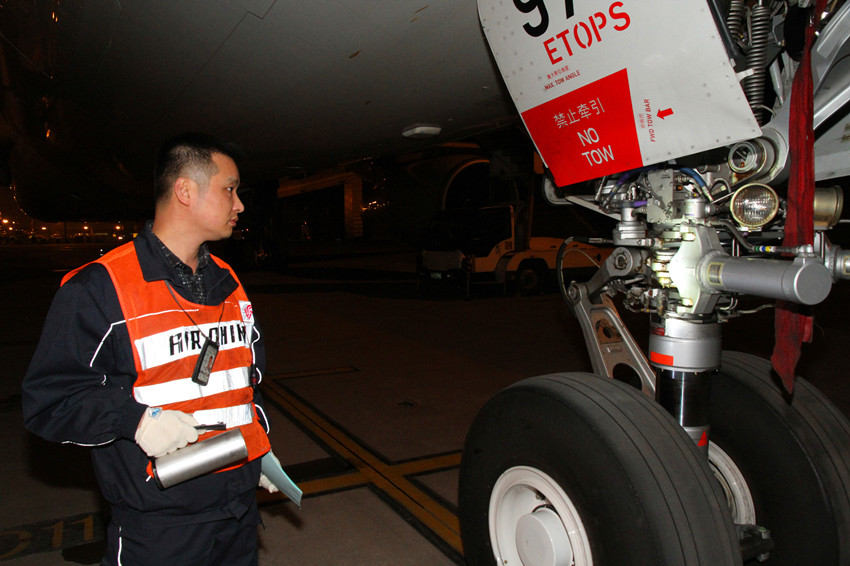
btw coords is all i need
(167, 333)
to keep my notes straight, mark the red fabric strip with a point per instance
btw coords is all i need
(793, 323)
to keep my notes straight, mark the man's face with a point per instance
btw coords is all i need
(218, 206)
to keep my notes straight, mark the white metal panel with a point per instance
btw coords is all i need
(616, 85)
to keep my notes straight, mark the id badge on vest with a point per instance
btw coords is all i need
(204, 365)
(206, 359)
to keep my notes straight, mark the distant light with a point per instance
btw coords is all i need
(421, 131)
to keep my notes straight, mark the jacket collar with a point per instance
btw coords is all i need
(156, 267)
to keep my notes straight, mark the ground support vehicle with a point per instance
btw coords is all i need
(690, 455)
(484, 246)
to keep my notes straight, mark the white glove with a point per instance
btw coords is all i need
(265, 482)
(161, 432)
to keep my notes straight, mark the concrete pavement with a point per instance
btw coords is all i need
(370, 390)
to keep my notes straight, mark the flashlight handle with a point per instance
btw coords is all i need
(199, 458)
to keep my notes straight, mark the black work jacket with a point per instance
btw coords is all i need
(79, 390)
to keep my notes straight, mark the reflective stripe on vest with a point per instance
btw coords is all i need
(167, 333)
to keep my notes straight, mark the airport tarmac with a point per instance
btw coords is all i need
(370, 389)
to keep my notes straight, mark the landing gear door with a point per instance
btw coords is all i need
(605, 87)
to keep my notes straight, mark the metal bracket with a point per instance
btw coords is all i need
(608, 341)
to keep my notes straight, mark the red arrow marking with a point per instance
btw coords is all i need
(664, 113)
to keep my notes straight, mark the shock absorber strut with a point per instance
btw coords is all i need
(685, 355)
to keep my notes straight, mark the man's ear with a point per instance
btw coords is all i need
(183, 190)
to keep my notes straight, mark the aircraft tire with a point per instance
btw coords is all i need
(592, 457)
(793, 456)
(529, 277)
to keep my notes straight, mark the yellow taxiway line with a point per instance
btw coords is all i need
(389, 478)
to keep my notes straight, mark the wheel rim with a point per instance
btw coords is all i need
(734, 486)
(534, 523)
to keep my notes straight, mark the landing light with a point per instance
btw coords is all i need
(754, 205)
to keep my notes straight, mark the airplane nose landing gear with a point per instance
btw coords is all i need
(698, 457)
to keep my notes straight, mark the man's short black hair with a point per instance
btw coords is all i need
(189, 155)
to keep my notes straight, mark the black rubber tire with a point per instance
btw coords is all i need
(530, 277)
(643, 492)
(794, 456)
